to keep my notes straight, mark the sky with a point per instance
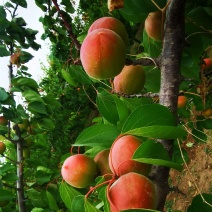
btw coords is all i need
(31, 15)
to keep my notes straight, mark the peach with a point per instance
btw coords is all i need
(79, 170)
(112, 24)
(131, 80)
(103, 54)
(182, 101)
(207, 113)
(207, 64)
(120, 157)
(3, 121)
(102, 161)
(2, 147)
(132, 191)
(153, 25)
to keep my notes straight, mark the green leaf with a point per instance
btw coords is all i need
(3, 94)
(159, 132)
(207, 124)
(46, 123)
(6, 195)
(103, 196)
(67, 194)
(3, 130)
(198, 204)
(3, 51)
(107, 106)
(37, 107)
(149, 115)
(25, 57)
(52, 202)
(21, 3)
(89, 207)
(98, 135)
(69, 7)
(199, 136)
(26, 81)
(32, 96)
(3, 13)
(152, 152)
(50, 99)
(78, 204)
(66, 75)
(42, 177)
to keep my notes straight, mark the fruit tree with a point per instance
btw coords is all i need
(128, 88)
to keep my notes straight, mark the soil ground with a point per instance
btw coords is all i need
(200, 172)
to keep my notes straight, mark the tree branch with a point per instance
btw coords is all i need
(173, 44)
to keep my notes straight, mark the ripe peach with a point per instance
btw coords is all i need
(182, 101)
(207, 64)
(131, 80)
(153, 25)
(103, 54)
(2, 147)
(132, 191)
(207, 112)
(102, 161)
(79, 170)
(3, 121)
(120, 157)
(112, 24)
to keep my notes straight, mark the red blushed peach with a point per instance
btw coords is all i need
(120, 157)
(2, 147)
(102, 162)
(153, 25)
(131, 191)
(3, 121)
(79, 170)
(103, 54)
(112, 24)
(207, 64)
(131, 80)
(182, 101)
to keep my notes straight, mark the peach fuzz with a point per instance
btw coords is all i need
(102, 162)
(153, 25)
(103, 54)
(120, 157)
(79, 170)
(131, 191)
(112, 24)
(131, 80)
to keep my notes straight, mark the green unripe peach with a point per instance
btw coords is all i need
(154, 25)
(120, 157)
(112, 24)
(79, 170)
(132, 191)
(103, 54)
(131, 80)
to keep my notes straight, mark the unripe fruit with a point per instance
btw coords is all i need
(153, 25)
(120, 157)
(3, 121)
(132, 191)
(26, 152)
(103, 54)
(131, 80)
(207, 113)
(24, 125)
(182, 101)
(2, 147)
(207, 64)
(79, 170)
(112, 24)
(102, 161)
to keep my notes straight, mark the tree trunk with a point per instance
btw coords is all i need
(170, 59)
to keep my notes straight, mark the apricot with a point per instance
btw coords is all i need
(103, 54)
(2, 147)
(207, 64)
(120, 157)
(131, 80)
(23, 125)
(102, 161)
(153, 25)
(207, 113)
(3, 121)
(79, 170)
(112, 24)
(182, 101)
(132, 191)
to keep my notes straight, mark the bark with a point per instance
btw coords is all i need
(170, 59)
